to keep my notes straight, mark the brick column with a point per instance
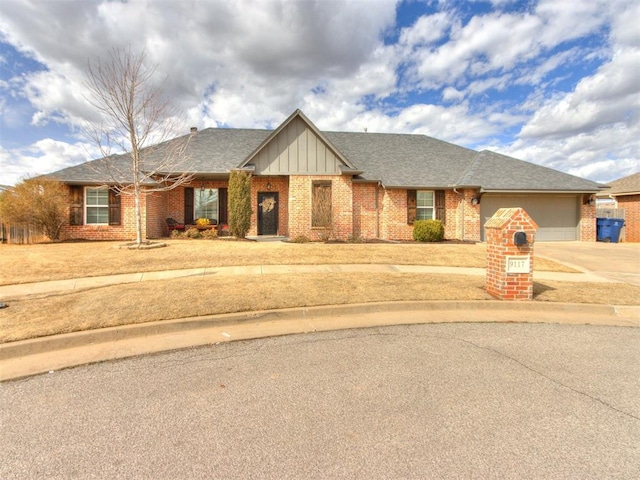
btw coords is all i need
(509, 264)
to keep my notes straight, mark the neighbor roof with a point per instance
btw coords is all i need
(624, 186)
(395, 160)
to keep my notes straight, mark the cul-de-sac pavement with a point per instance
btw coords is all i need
(451, 400)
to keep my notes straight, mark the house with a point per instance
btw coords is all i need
(377, 184)
(625, 194)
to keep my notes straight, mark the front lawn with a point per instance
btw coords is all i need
(54, 261)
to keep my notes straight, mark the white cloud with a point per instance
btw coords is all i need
(248, 64)
(43, 156)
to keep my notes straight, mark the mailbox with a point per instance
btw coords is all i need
(520, 238)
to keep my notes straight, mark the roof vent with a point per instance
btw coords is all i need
(194, 129)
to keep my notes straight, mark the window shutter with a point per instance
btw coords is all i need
(75, 207)
(222, 206)
(411, 206)
(188, 206)
(115, 215)
(440, 206)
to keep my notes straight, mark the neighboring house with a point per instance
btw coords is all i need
(378, 184)
(625, 193)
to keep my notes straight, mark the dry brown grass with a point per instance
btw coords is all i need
(34, 263)
(196, 296)
(188, 297)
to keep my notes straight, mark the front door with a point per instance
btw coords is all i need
(267, 213)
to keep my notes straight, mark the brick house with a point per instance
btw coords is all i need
(376, 186)
(626, 195)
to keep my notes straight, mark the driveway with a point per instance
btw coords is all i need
(412, 401)
(614, 261)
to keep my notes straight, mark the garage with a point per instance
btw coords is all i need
(558, 216)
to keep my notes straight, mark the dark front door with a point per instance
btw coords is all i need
(267, 213)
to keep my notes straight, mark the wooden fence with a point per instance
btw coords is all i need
(21, 234)
(606, 212)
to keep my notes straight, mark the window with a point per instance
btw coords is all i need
(424, 205)
(96, 206)
(321, 215)
(206, 204)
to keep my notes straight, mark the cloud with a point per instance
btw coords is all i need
(43, 156)
(562, 74)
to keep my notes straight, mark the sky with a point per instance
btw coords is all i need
(553, 82)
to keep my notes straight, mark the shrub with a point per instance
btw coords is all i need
(428, 231)
(301, 239)
(354, 239)
(177, 234)
(193, 232)
(239, 203)
(40, 202)
(210, 234)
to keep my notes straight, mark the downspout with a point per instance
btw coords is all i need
(377, 231)
(455, 190)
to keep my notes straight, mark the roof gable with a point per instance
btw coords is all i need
(297, 147)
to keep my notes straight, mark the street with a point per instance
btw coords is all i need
(413, 401)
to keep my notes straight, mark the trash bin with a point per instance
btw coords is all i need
(603, 224)
(616, 226)
(608, 229)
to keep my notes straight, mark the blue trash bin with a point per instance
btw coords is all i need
(616, 226)
(603, 229)
(608, 229)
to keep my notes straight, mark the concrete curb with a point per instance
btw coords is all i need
(30, 357)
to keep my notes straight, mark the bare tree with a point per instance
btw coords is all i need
(134, 116)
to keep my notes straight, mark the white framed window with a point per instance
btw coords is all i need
(96, 204)
(205, 204)
(425, 205)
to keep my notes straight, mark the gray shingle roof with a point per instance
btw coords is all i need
(397, 160)
(624, 186)
(493, 171)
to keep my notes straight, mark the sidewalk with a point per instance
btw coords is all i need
(18, 290)
(48, 354)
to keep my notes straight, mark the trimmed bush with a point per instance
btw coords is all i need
(210, 234)
(428, 231)
(193, 232)
(239, 203)
(301, 239)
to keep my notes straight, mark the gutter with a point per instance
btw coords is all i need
(455, 190)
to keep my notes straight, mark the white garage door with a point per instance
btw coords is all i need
(557, 216)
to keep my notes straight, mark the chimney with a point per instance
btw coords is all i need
(194, 129)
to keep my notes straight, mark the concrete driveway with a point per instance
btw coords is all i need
(614, 261)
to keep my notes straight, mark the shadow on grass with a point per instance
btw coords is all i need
(540, 288)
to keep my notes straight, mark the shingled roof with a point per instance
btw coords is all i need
(624, 186)
(395, 160)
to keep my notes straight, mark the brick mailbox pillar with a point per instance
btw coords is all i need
(510, 235)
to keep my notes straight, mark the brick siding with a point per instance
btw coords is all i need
(300, 206)
(353, 208)
(125, 231)
(587, 222)
(631, 205)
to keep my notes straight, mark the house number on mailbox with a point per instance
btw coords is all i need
(518, 264)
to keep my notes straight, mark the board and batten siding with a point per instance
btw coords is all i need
(296, 150)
